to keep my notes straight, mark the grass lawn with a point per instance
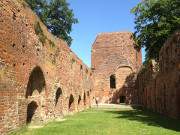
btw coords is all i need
(109, 122)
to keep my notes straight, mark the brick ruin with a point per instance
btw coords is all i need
(158, 86)
(119, 76)
(42, 79)
(114, 57)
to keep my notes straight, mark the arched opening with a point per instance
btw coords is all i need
(124, 85)
(36, 82)
(122, 99)
(71, 103)
(84, 99)
(124, 76)
(31, 111)
(88, 94)
(35, 95)
(88, 98)
(112, 81)
(57, 96)
(79, 100)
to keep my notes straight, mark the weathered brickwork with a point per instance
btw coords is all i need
(40, 77)
(158, 87)
(114, 58)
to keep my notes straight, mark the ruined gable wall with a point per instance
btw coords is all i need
(29, 62)
(110, 53)
(159, 89)
(118, 44)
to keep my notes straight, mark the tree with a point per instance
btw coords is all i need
(56, 15)
(38, 6)
(155, 21)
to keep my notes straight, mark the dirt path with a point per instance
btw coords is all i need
(112, 106)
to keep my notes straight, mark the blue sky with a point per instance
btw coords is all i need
(96, 16)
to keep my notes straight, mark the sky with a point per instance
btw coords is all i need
(97, 16)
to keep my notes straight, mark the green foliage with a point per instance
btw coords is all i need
(56, 15)
(39, 32)
(39, 6)
(155, 21)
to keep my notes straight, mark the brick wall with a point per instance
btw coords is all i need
(39, 74)
(113, 54)
(42, 79)
(158, 87)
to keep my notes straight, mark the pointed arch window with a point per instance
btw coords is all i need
(112, 81)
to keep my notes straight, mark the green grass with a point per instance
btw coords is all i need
(110, 122)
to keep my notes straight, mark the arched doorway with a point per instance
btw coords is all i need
(71, 103)
(35, 95)
(58, 95)
(36, 82)
(79, 102)
(122, 75)
(88, 94)
(58, 102)
(31, 109)
(88, 98)
(84, 99)
(123, 85)
(122, 99)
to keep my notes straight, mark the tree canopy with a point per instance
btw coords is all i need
(56, 15)
(155, 21)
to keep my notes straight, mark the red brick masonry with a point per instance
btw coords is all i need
(158, 86)
(114, 54)
(42, 79)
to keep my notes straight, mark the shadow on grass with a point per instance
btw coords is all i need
(148, 118)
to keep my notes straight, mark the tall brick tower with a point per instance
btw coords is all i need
(114, 60)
